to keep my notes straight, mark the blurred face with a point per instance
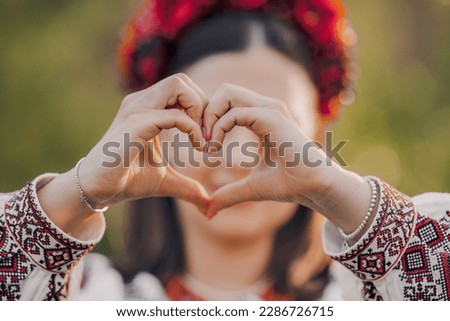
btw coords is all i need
(269, 73)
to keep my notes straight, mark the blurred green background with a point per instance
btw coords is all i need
(59, 91)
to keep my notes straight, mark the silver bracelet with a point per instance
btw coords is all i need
(83, 196)
(361, 226)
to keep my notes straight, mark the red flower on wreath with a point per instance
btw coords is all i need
(175, 14)
(142, 53)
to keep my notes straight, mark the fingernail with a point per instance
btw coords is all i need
(211, 216)
(210, 148)
(204, 132)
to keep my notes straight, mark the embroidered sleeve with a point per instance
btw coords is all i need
(405, 254)
(36, 257)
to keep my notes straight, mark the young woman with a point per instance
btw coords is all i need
(236, 79)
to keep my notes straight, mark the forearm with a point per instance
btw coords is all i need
(60, 199)
(345, 200)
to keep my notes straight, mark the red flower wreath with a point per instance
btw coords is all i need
(160, 23)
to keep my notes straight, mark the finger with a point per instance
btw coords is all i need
(186, 188)
(260, 120)
(197, 89)
(179, 89)
(229, 195)
(227, 97)
(150, 124)
(174, 90)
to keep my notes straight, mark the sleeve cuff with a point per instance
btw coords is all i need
(44, 242)
(383, 244)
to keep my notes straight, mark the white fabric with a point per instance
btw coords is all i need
(105, 283)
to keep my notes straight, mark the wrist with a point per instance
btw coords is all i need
(99, 192)
(323, 182)
(60, 201)
(350, 236)
(344, 198)
(93, 204)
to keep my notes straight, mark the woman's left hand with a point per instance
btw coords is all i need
(297, 171)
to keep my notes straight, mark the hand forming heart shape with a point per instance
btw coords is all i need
(146, 113)
(280, 175)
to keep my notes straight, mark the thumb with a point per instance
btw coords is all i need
(231, 194)
(183, 187)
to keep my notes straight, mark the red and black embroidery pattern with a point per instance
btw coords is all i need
(414, 247)
(47, 246)
(14, 265)
(425, 266)
(28, 240)
(57, 287)
(379, 250)
(371, 292)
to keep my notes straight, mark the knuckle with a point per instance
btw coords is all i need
(175, 112)
(128, 100)
(182, 75)
(279, 113)
(175, 80)
(272, 113)
(225, 92)
(226, 88)
(279, 105)
(237, 111)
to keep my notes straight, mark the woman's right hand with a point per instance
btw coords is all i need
(137, 168)
(174, 102)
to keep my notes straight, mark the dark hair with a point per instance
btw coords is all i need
(154, 239)
(231, 32)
